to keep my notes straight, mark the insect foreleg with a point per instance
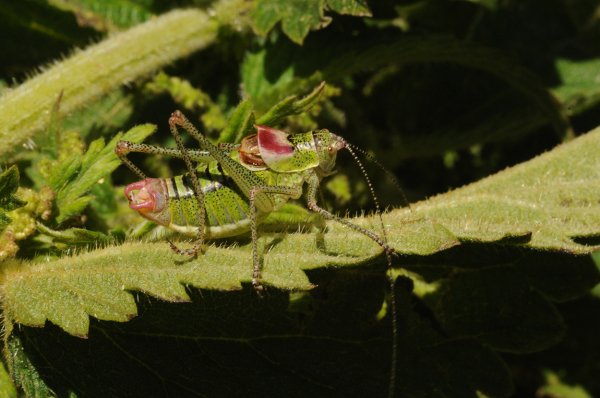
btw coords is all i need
(313, 183)
(292, 191)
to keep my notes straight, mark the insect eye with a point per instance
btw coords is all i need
(330, 149)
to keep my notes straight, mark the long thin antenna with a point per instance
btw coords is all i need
(386, 171)
(389, 260)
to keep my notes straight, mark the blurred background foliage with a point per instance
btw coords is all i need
(443, 93)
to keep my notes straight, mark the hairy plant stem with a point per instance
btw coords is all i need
(89, 74)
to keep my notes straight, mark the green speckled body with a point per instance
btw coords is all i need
(227, 208)
(235, 186)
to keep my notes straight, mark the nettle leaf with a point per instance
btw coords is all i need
(497, 298)
(82, 174)
(297, 17)
(92, 287)
(9, 183)
(23, 371)
(548, 200)
(539, 204)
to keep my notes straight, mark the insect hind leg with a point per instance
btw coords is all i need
(124, 147)
(177, 118)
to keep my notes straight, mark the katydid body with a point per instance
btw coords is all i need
(235, 188)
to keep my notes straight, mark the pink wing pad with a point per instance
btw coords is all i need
(275, 149)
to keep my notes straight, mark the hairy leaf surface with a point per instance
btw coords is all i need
(523, 204)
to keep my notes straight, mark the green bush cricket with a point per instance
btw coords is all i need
(236, 186)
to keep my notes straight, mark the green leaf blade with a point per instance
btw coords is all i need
(549, 197)
(297, 17)
(97, 163)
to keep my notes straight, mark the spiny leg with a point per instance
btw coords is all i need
(175, 120)
(313, 183)
(244, 178)
(322, 198)
(294, 192)
(228, 146)
(124, 147)
(122, 154)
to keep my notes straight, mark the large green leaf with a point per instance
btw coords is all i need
(540, 204)
(552, 198)
(102, 277)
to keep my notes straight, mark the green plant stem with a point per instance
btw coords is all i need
(101, 68)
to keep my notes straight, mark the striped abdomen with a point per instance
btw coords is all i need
(227, 208)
